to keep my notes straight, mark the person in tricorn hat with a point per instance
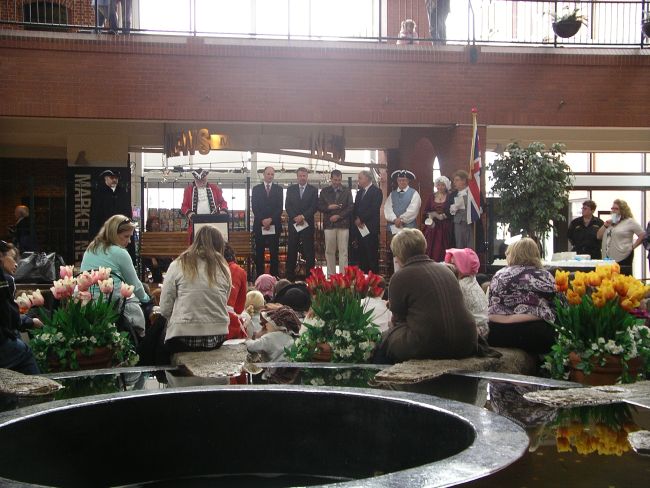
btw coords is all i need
(403, 204)
(201, 197)
(108, 198)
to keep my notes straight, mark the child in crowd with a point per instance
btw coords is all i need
(407, 33)
(279, 326)
(251, 315)
(265, 284)
(467, 265)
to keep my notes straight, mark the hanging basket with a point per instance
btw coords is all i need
(645, 27)
(566, 28)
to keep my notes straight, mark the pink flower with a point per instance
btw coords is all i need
(37, 299)
(60, 290)
(84, 297)
(94, 274)
(66, 271)
(84, 281)
(106, 286)
(126, 290)
(103, 274)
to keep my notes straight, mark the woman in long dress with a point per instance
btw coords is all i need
(437, 219)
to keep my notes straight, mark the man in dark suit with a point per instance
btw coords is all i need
(366, 222)
(108, 198)
(266, 202)
(300, 205)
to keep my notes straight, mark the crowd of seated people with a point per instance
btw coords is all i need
(435, 310)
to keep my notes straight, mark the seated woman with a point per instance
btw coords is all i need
(430, 320)
(14, 353)
(466, 264)
(195, 295)
(108, 250)
(521, 301)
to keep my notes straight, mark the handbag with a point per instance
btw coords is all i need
(38, 267)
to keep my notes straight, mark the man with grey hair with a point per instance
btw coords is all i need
(366, 222)
(22, 230)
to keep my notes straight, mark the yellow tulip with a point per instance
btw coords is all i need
(594, 279)
(573, 297)
(607, 292)
(579, 279)
(629, 305)
(561, 280)
(599, 300)
(621, 286)
(562, 444)
(580, 290)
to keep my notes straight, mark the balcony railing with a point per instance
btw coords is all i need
(503, 22)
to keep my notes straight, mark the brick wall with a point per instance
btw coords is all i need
(146, 78)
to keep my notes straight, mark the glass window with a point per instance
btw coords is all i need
(164, 16)
(225, 16)
(579, 162)
(490, 157)
(436, 169)
(618, 162)
(576, 197)
(272, 17)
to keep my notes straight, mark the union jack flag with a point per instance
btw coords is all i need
(474, 209)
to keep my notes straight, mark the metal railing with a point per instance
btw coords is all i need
(610, 23)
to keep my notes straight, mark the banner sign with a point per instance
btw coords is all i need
(81, 182)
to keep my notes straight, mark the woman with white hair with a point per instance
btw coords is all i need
(437, 220)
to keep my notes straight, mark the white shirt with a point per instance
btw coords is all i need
(477, 303)
(271, 345)
(203, 205)
(381, 315)
(619, 239)
(411, 213)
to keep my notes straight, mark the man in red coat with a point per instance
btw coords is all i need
(201, 197)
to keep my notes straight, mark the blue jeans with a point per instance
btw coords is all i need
(16, 355)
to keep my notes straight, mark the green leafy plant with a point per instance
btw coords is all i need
(568, 15)
(533, 185)
(338, 317)
(83, 322)
(595, 319)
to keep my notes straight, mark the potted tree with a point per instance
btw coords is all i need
(568, 23)
(533, 184)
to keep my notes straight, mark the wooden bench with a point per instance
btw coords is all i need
(163, 244)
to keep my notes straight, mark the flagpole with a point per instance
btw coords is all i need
(471, 172)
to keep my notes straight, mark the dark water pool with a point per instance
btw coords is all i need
(568, 447)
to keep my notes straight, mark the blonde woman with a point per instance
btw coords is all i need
(108, 250)
(521, 301)
(617, 234)
(195, 295)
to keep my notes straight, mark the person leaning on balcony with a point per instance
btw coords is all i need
(195, 295)
(618, 233)
(430, 320)
(335, 203)
(521, 301)
(583, 231)
(108, 250)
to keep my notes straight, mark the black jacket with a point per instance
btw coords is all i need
(584, 238)
(366, 208)
(23, 238)
(305, 206)
(267, 206)
(9, 314)
(105, 203)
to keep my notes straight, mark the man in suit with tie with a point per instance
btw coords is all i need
(266, 202)
(366, 222)
(300, 205)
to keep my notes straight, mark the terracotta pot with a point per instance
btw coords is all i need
(566, 28)
(602, 375)
(324, 354)
(102, 357)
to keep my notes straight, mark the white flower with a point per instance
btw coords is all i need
(93, 340)
(546, 365)
(337, 332)
(613, 348)
(601, 340)
(317, 382)
(594, 346)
